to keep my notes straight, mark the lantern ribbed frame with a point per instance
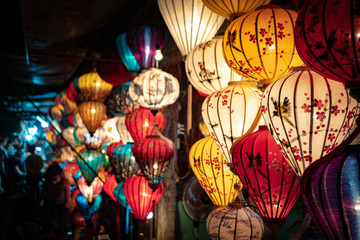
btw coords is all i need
(92, 114)
(125, 135)
(95, 161)
(153, 155)
(154, 89)
(309, 116)
(125, 53)
(260, 45)
(209, 166)
(206, 68)
(93, 88)
(124, 163)
(234, 222)
(230, 113)
(189, 22)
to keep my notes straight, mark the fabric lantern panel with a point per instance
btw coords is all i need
(110, 128)
(71, 92)
(309, 116)
(111, 148)
(124, 134)
(90, 163)
(92, 191)
(95, 140)
(92, 114)
(120, 194)
(69, 171)
(119, 101)
(77, 121)
(109, 186)
(126, 54)
(66, 154)
(93, 88)
(68, 134)
(88, 210)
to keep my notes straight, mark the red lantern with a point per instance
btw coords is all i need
(109, 186)
(111, 148)
(266, 175)
(71, 92)
(141, 123)
(141, 198)
(153, 155)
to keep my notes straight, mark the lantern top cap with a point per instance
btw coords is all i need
(239, 82)
(238, 205)
(263, 127)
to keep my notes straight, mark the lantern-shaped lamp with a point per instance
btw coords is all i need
(93, 88)
(90, 192)
(126, 54)
(123, 162)
(123, 131)
(90, 163)
(92, 114)
(119, 101)
(209, 166)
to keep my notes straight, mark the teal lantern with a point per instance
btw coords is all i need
(120, 194)
(126, 54)
(90, 163)
(103, 150)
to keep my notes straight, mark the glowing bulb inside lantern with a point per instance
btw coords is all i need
(70, 159)
(93, 110)
(272, 47)
(146, 124)
(150, 215)
(155, 166)
(357, 207)
(91, 158)
(97, 84)
(276, 205)
(158, 55)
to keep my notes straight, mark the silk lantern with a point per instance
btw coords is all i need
(153, 155)
(234, 221)
(111, 148)
(123, 162)
(110, 127)
(93, 88)
(231, 9)
(154, 89)
(141, 122)
(266, 175)
(69, 171)
(230, 113)
(189, 22)
(206, 68)
(90, 163)
(330, 189)
(260, 45)
(68, 134)
(92, 114)
(66, 154)
(92, 191)
(119, 101)
(209, 166)
(120, 195)
(309, 116)
(123, 131)
(86, 209)
(126, 54)
(141, 198)
(109, 186)
(95, 140)
(327, 38)
(143, 41)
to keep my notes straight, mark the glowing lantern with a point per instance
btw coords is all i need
(123, 162)
(126, 54)
(154, 88)
(109, 186)
(68, 134)
(141, 198)
(92, 114)
(71, 92)
(96, 140)
(86, 210)
(234, 222)
(141, 123)
(122, 130)
(266, 175)
(233, 8)
(56, 113)
(153, 154)
(69, 171)
(90, 192)
(143, 41)
(119, 100)
(230, 113)
(77, 121)
(327, 38)
(66, 154)
(330, 189)
(120, 194)
(90, 163)
(260, 45)
(206, 68)
(93, 88)
(309, 116)
(189, 22)
(111, 148)
(209, 166)
(110, 127)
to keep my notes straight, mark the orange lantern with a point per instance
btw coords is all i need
(93, 87)
(92, 114)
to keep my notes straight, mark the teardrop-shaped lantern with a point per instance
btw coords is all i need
(110, 128)
(92, 114)
(154, 89)
(153, 155)
(266, 175)
(123, 162)
(141, 198)
(141, 123)
(209, 166)
(94, 162)
(123, 131)
(126, 54)
(120, 194)
(308, 115)
(189, 22)
(206, 68)
(93, 88)
(143, 41)
(119, 101)
(231, 9)
(234, 221)
(260, 45)
(231, 112)
(109, 186)
(92, 191)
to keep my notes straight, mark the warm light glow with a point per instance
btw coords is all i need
(97, 84)
(158, 55)
(150, 215)
(357, 207)
(93, 110)
(146, 124)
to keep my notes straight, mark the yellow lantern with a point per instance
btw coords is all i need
(209, 166)
(260, 46)
(92, 113)
(232, 112)
(93, 87)
(233, 8)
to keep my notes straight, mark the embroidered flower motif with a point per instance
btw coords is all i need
(263, 109)
(258, 69)
(224, 102)
(263, 32)
(306, 107)
(335, 110)
(295, 150)
(320, 116)
(318, 103)
(280, 26)
(224, 96)
(268, 41)
(331, 137)
(252, 38)
(307, 158)
(281, 35)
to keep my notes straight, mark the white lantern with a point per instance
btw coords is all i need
(68, 134)
(110, 127)
(124, 134)
(96, 140)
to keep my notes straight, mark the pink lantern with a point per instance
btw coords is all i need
(90, 192)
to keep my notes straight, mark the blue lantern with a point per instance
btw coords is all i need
(94, 162)
(126, 54)
(87, 210)
(120, 194)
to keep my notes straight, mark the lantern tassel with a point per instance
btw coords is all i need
(127, 220)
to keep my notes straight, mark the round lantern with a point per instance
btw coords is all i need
(154, 88)
(109, 186)
(189, 22)
(330, 189)
(308, 115)
(141, 198)
(327, 38)
(260, 45)
(143, 41)
(153, 154)
(92, 114)
(233, 8)
(209, 166)
(90, 163)
(110, 71)
(123, 131)
(92, 191)
(123, 162)
(119, 101)
(125, 53)
(93, 88)
(266, 175)
(234, 222)
(141, 123)
(88, 210)
(111, 148)
(206, 68)
(232, 112)
(110, 128)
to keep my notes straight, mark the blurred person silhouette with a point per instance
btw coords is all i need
(34, 165)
